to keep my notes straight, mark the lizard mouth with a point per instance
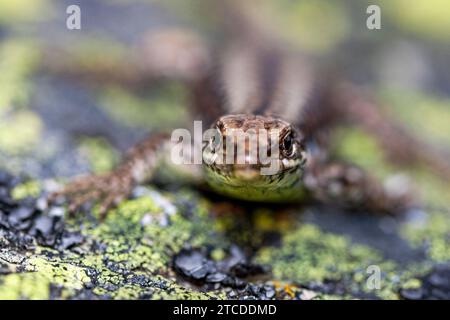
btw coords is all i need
(244, 175)
(247, 174)
(247, 183)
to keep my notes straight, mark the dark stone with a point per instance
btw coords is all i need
(216, 277)
(6, 179)
(47, 230)
(4, 220)
(199, 267)
(192, 264)
(188, 260)
(20, 214)
(439, 279)
(436, 284)
(254, 289)
(412, 294)
(4, 268)
(269, 291)
(21, 225)
(43, 225)
(7, 203)
(199, 272)
(4, 192)
(236, 256)
(243, 270)
(240, 284)
(70, 240)
(141, 280)
(439, 294)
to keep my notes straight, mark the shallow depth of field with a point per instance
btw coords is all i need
(169, 241)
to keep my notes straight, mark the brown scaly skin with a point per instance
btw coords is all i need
(309, 174)
(115, 186)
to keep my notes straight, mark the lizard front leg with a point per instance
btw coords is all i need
(111, 188)
(172, 54)
(351, 187)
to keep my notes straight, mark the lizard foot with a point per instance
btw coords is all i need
(108, 189)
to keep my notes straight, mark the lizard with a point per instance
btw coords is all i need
(250, 83)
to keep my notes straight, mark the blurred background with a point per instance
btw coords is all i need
(50, 123)
(65, 111)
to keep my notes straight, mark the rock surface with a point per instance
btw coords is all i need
(169, 241)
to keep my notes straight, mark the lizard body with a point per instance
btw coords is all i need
(254, 85)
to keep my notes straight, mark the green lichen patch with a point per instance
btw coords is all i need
(425, 115)
(100, 154)
(20, 132)
(39, 273)
(164, 107)
(433, 235)
(19, 129)
(89, 54)
(30, 188)
(128, 256)
(427, 19)
(138, 239)
(18, 60)
(308, 254)
(358, 147)
(20, 11)
(303, 23)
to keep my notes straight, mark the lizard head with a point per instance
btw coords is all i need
(254, 157)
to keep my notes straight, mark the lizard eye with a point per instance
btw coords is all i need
(288, 145)
(215, 141)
